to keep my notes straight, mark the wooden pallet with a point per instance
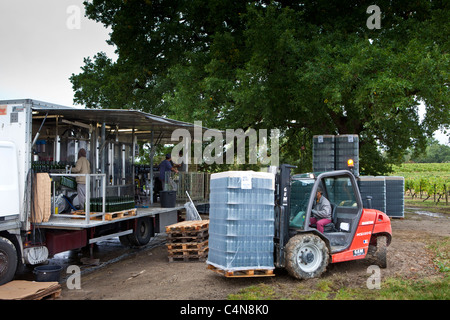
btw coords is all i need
(243, 273)
(187, 236)
(188, 252)
(188, 226)
(188, 241)
(183, 252)
(120, 214)
(50, 296)
(187, 246)
(188, 257)
(109, 216)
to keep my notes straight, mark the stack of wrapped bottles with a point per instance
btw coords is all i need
(241, 215)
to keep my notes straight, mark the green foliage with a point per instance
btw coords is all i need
(305, 68)
(434, 153)
(427, 180)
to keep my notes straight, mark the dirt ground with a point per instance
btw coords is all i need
(148, 275)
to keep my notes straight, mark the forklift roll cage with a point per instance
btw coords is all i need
(284, 231)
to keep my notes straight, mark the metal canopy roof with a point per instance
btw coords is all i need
(161, 127)
(124, 119)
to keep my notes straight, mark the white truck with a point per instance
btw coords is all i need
(41, 140)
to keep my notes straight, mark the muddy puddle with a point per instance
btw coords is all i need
(422, 212)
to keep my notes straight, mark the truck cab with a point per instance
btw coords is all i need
(11, 246)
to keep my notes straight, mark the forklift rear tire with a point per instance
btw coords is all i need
(380, 253)
(306, 256)
(8, 260)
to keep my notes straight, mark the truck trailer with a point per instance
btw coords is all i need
(39, 143)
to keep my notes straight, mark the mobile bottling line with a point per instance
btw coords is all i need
(39, 145)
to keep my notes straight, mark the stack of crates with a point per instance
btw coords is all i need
(395, 204)
(323, 153)
(347, 147)
(374, 186)
(332, 152)
(241, 228)
(68, 182)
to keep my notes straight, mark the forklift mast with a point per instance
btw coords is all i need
(282, 208)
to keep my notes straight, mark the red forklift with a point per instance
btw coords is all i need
(354, 233)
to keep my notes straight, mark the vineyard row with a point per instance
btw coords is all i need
(425, 188)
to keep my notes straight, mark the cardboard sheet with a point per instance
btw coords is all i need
(27, 290)
(42, 198)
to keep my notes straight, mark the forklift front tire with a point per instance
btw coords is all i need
(306, 256)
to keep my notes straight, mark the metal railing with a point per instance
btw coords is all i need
(195, 183)
(87, 216)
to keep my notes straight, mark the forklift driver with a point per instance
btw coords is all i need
(321, 212)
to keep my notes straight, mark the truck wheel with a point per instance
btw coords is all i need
(143, 232)
(306, 256)
(380, 254)
(8, 260)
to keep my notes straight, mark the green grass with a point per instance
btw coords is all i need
(424, 289)
(441, 250)
(393, 288)
(257, 292)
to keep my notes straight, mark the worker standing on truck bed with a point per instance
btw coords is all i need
(321, 212)
(165, 166)
(84, 167)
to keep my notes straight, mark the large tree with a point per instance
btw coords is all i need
(311, 67)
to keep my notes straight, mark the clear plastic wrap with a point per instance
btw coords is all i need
(241, 225)
(191, 210)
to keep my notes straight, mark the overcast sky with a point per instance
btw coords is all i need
(42, 42)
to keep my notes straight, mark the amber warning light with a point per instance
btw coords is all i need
(350, 163)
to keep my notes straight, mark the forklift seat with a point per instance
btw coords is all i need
(331, 227)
